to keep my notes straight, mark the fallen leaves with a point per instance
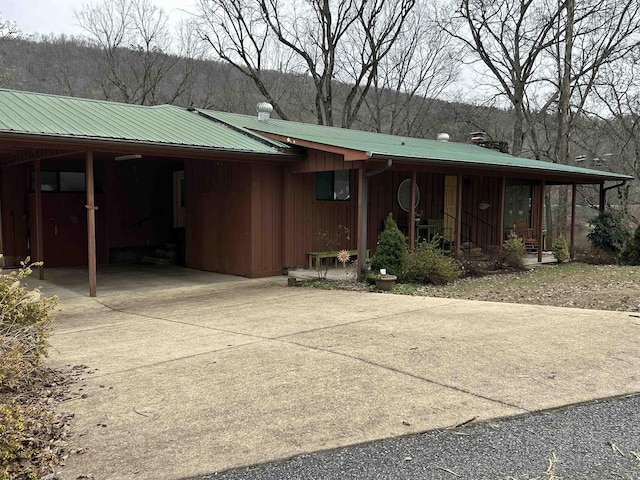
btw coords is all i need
(573, 285)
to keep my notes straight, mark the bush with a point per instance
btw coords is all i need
(609, 232)
(631, 253)
(560, 249)
(391, 253)
(427, 264)
(594, 256)
(514, 250)
(25, 324)
(26, 433)
(20, 448)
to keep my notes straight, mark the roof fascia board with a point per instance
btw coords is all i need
(38, 154)
(102, 144)
(496, 170)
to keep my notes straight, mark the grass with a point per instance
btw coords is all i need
(603, 287)
(579, 285)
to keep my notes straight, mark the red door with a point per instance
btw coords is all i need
(64, 230)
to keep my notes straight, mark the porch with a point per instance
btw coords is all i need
(348, 273)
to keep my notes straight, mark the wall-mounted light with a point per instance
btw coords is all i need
(128, 157)
(483, 205)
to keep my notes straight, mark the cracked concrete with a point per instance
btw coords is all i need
(202, 378)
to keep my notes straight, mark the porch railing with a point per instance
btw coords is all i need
(471, 224)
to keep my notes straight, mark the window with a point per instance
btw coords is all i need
(72, 182)
(333, 185)
(60, 181)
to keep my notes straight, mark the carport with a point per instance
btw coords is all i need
(87, 182)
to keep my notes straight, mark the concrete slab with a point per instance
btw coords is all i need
(219, 375)
(250, 404)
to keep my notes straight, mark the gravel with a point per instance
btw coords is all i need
(595, 441)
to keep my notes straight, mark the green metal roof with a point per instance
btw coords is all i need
(51, 115)
(382, 146)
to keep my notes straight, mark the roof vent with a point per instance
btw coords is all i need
(443, 137)
(264, 110)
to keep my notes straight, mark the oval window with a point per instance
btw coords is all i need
(404, 193)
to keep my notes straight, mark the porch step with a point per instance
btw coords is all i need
(470, 250)
(161, 256)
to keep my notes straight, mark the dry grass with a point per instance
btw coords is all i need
(603, 287)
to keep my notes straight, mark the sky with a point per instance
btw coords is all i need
(56, 16)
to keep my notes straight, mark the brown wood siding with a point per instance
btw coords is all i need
(383, 199)
(319, 161)
(218, 216)
(266, 213)
(307, 220)
(15, 225)
(482, 227)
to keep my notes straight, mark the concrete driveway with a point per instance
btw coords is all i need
(198, 379)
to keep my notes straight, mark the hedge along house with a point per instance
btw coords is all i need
(88, 182)
(472, 195)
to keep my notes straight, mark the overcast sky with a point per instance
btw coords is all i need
(56, 16)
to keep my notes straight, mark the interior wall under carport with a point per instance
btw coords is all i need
(134, 215)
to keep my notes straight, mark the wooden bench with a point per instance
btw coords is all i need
(318, 256)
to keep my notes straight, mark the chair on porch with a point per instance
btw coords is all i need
(522, 229)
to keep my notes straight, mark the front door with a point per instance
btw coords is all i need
(450, 206)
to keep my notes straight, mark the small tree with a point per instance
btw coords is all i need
(560, 249)
(392, 249)
(609, 232)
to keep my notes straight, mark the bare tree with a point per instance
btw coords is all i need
(8, 30)
(421, 64)
(136, 44)
(328, 41)
(510, 38)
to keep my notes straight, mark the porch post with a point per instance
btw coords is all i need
(412, 213)
(362, 220)
(458, 238)
(91, 224)
(603, 198)
(574, 189)
(38, 192)
(538, 232)
(501, 197)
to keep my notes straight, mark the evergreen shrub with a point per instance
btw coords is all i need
(391, 253)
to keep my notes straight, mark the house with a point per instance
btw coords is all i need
(86, 182)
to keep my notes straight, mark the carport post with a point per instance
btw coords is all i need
(91, 225)
(38, 192)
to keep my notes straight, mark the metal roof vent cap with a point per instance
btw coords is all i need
(264, 110)
(443, 137)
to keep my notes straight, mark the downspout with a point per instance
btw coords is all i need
(364, 213)
(603, 193)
